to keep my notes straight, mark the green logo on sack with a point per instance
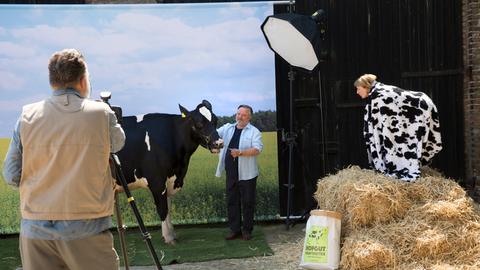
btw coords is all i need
(316, 247)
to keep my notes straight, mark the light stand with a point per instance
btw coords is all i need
(290, 140)
(296, 39)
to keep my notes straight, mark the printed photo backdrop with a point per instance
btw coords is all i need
(152, 58)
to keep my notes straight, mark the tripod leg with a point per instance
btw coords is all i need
(121, 232)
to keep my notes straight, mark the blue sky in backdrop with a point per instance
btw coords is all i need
(151, 57)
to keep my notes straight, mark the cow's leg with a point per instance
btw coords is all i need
(167, 227)
(171, 190)
(159, 191)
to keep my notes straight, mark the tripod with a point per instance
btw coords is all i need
(145, 234)
(118, 175)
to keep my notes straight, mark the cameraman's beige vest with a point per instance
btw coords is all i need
(65, 171)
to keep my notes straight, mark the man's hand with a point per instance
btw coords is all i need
(118, 189)
(235, 152)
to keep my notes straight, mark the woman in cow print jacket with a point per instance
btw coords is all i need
(401, 128)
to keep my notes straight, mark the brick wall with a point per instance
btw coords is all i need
(471, 58)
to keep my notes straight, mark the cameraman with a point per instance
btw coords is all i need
(59, 159)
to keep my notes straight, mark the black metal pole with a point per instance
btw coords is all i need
(145, 234)
(121, 231)
(322, 129)
(290, 139)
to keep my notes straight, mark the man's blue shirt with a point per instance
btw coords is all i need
(250, 137)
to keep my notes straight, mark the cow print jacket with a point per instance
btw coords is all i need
(401, 130)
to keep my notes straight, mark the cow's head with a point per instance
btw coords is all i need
(204, 126)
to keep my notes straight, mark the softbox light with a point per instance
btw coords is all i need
(295, 38)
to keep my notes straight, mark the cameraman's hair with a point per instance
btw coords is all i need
(66, 68)
(246, 107)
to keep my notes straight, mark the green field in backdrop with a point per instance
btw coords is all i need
(202, 199)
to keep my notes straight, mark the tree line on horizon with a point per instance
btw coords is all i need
(263, 120)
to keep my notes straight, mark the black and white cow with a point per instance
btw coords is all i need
(157, 151)
(402, 131)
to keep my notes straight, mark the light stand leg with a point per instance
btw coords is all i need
(121, 232)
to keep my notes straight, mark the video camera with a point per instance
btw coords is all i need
(105, 96)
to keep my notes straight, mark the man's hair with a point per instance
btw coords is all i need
(66, 68)
(246, 107)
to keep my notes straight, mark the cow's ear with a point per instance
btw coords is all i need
(207, 104)
(184, 111)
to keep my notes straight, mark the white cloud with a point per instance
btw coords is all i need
(148, 59)
(166, 34)
(17, 104)
(15, 50)
(237, 10)
(50, 35)
(10, 81)
(253, 96)
(268, 12)
(185, 47)
(85, 38)
(147, 24)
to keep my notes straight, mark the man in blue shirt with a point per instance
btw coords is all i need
(239, 160)
(58, 157)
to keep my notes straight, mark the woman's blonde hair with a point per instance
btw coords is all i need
(366, 80)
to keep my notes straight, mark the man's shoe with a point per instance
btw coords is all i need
(233, 235)
(246, 236)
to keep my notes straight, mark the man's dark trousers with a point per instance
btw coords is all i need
(241, 199)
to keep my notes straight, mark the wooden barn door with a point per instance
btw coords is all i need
(413, 44)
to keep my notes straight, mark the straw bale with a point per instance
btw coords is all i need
(364, 198)
(358, 253)
(434, 188)
(457, 210)
(427, 171)
(431, 243)
(439, 266)
(429, 224)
